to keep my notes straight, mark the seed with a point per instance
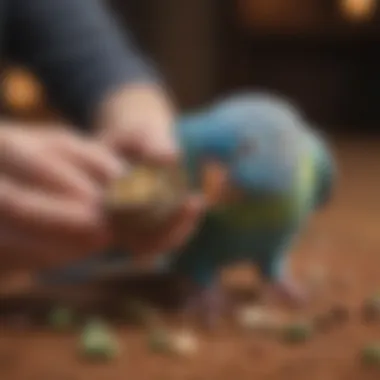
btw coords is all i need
(159, 341)
(297, 332)
(97, 342)
(184, 343)
(256, 318)
(61, 318)
(370, 354)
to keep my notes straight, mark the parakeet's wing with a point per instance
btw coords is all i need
(325, 169)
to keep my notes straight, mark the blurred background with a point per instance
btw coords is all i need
(320, 53)
(323, 55)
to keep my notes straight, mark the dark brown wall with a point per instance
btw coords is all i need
(182, 37)
(326, 65)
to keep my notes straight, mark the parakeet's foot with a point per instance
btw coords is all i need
(207, 305)
(289, 292)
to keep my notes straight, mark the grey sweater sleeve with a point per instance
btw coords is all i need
(77, 49)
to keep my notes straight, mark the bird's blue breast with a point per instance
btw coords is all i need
(217, 245)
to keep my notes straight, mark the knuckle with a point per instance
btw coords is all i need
(7, 196)
(58, 140)
(61, 138)
(8, 146)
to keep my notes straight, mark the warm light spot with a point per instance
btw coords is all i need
(21, 91)
(278, 14)
(358, 10)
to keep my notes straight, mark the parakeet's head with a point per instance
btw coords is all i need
(255, 140)
(257, 159)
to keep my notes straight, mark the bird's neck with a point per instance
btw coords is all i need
(191, 134)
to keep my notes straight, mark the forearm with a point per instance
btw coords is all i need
(78, 51)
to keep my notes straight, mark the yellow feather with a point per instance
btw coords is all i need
(305, 182)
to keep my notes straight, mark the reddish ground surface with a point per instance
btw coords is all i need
(350, 254)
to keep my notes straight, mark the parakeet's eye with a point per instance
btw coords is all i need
(246, 148)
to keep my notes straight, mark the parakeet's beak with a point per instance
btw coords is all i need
(214, 179)
(216, 184)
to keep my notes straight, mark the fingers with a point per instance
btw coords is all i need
(41, 211)
(51, 188)
(151, 140)
(161, 144)
(60, 162)
(38, 230)
(39, 169)
(91, 157)
(139, 121)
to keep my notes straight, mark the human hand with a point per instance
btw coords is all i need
(51, 185)
(138, 121)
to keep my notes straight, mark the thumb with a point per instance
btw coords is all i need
(159, 142)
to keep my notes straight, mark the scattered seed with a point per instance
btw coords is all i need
(184, 343)
(297, 332)
(159, 341)
(61, 318)
(256, 318)
(370, 355)
(97, 342)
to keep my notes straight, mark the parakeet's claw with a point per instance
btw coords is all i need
(207, 305)
(289, 292)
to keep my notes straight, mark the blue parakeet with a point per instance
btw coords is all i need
(276, 171)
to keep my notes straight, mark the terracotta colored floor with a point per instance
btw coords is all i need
(349, 249)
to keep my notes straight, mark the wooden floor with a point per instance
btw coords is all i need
(344, 239)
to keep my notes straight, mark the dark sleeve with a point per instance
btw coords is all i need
(77, 50)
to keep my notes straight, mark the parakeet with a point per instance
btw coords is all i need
(273, 170)
(278, 171)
